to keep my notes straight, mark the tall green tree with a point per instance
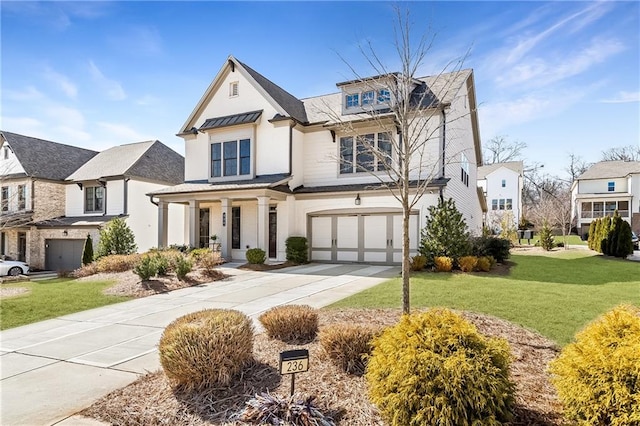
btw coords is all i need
(624, 245)
(446, 232)
(87, 251)
(116, 238)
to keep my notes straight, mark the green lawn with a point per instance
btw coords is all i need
(53, 298)
(555, 294)
(573, 240)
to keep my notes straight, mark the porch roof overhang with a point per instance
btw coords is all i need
(604, 196)
(77, 221)
(269, 185)
(362, 187)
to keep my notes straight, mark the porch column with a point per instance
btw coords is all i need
(263, 223)
(225, 237)
(194, 223)
(163, 224)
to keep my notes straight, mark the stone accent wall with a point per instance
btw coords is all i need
(49, 200)
(36, 238)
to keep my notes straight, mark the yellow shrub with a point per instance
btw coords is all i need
(206, 348)
(598, 376)
(484, 264)
(291, 323)
(443, 263)
(435, 368)
(418, 262)
(348, 345)
(117, 262)
(468, 263)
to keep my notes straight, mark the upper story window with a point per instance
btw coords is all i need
(94, 199)
(353, 100)
(368, 98)
(384, 96)
(611, 186)
(22, 197)
(233, 89)
(231, 158)
(504, 183)
(502, 204)
(464, 169)
(4, 197)
(357, 154)
(5, 153)
(494, 204)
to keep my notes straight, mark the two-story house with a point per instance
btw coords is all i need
(605, 187)
(502, 184)
(32, 188)
(262, 165)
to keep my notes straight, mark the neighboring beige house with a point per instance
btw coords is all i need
(605, 187)
(502, 184)
(112, 184)
(32, 189)
(262, 165)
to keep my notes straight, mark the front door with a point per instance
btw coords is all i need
(22, 246)
(273, 232)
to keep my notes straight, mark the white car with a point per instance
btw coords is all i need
(13, 268)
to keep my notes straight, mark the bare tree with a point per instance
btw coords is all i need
(500, 150)
(576, 167)
(625, 153)
(554, 208)
(409, 157)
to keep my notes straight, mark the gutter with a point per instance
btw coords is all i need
(444, 144)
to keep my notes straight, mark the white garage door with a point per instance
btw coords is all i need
(371, 238)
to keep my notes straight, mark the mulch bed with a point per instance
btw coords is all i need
(151, 401)
(266, 266)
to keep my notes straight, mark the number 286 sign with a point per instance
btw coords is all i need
(295, 361)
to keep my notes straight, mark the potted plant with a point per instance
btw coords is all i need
(214, 244)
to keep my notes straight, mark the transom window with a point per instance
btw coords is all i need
(359, 157)
(231, 158)
(611, 186)
(94, 199)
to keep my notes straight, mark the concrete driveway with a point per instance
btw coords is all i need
(53, 369)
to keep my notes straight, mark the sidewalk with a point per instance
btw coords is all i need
(53, 369)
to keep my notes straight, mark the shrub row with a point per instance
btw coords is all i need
(445, 264)
(611, 236)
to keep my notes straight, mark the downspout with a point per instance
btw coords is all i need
(155, 203)
(443, 150)
(126, 196)
(33, 196)
(291, 126)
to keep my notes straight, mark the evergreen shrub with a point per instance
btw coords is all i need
(546, 237)
(256, 256)
(87, 251)
(182, 266)
(297, 250)
(435, 368)
(484, 264)
(206, 349)
(498, 248)
(291, 323)
(146, 268)
(445, 233)
(116, 238)
(598, 376)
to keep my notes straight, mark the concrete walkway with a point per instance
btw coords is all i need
(53, 369)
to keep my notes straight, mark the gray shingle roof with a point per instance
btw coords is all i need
(231, 120)
(149, 160)
(265, 181)
(611, 169)
(292, 105)
(45, 159)
(516, 166)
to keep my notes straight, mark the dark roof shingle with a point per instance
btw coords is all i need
(231, 120)
(45, 159)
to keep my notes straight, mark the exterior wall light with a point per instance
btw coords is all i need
(357, 200)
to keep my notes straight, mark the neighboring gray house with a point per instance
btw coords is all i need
(114, 183)
(605, 187)
(32, 188)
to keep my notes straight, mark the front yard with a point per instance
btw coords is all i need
(52, 298)
(555, 294)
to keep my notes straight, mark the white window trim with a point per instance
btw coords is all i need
(234, 89)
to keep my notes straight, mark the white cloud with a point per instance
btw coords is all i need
(30, 93)
(148, 100)
(139, 40)
(112, 89)
(62, 82)
(623, 97)
(123, 133)
(24, 126)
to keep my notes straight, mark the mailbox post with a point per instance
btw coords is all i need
(292, 362)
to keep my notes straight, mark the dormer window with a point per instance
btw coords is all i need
(353, 100)
(368, 98)
(233, 89)
(384, 96)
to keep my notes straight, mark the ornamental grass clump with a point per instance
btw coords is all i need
(206, 349)
(267, 409)
(348, 345)
(468, 263)
(484, 264)
(598, 376)
(443, 263)
(435, 368)
(291, 323)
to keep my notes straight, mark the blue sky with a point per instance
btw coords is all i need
(563, 77)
